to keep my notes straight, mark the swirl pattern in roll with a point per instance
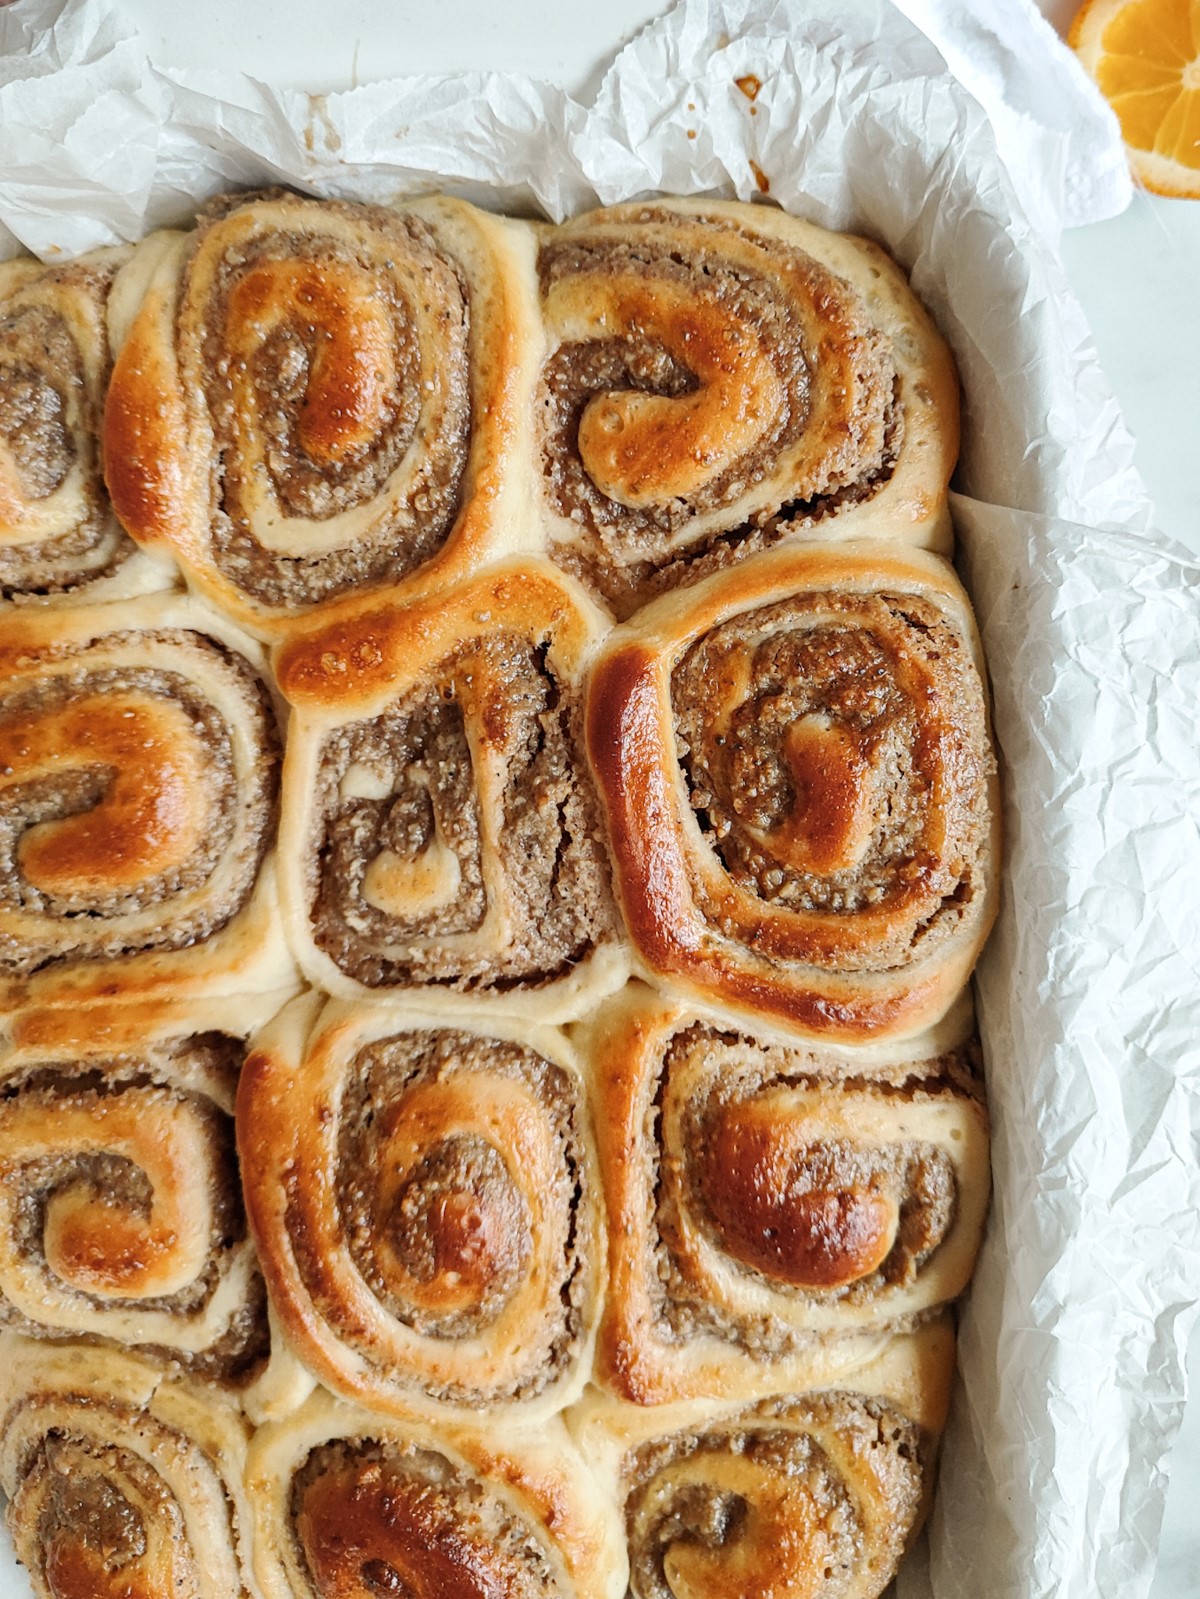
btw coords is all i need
(721, 375)
(58, 533)
(310, 393)
(440, 832)
(764, 1198)
(122, 1483)
(424, 1198)
(350, 1505)
(815, 1495)
(139, 762)
(797, 772)
(121, 1215)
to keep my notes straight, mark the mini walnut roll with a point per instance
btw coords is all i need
(122, 1483)
(313, 397)
(440, 833)
(121, 1213)
(424, 1198)
(58, 534)
(139, 766)
(809, 1495)
(720, 376)
(762, 1197)
(354, 1506)
(796, 766)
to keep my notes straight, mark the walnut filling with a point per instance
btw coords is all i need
(758, 1504)
(808, 736)
(881, 1213)
(628, 551)
(113, 1185)
(317, 388)
(48, 422)
(87, 917)
(404, 841)
(443, 1234)
(104, 1522)
(387, 1518)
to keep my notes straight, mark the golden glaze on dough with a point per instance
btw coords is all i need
(440, 834)
(139, 757)
(774, 1210)
(720, 377)
(316, 398)
(424, 1197)
(750, 898)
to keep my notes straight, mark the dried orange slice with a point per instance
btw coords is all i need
(1145, 57)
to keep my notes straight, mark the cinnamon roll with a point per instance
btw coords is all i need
(795, 764)
(763, 1198)
(440, 834)
(348, 1503)
(139, 764)
(58, 534)
(312, 397)
(121, 1214)
(721, 375)
(810, 1494)
(120, 1481)
(424, 1198)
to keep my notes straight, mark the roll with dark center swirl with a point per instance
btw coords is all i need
(440, 833)
(354, 1506)
(312, 397)
(121, 1214)
(763, 1198)
(812, 1495)
(797, 772)
(139, 759)
(122, 1483)
(58, 534)
(426, 1207)
(720, 376)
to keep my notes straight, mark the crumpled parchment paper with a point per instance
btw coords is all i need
(1070, 1384)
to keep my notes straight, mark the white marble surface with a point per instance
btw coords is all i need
(1137, 277)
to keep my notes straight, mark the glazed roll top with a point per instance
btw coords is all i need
(719, 376)
(58, 534)
(426, 1205)
(121, 1214)
(812, 1494)
(122, 1483)
(771, 1209)
(352, 1506)
(139, 771)
(796, 767)
(440, 830)
(309, 392)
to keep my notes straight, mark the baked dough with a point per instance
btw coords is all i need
(796, 768)
(121, 1214)
(424, 1195)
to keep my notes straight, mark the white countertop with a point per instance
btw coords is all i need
(1136, 276)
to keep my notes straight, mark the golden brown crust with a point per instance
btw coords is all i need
(59, 538)
(424, 1197)
(773, 1212)
(722, 376)
(120, 1481)
(343, 1497)
(120, 1204)
(317, 397)
(139, 760)
(788, 928)
(803, 1493)
(440, 834)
